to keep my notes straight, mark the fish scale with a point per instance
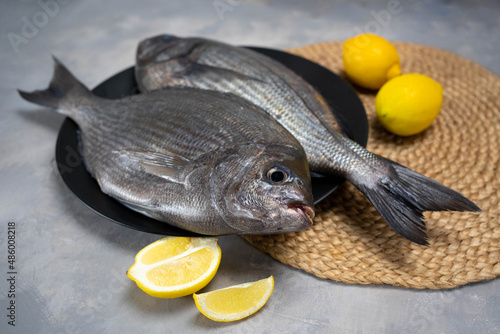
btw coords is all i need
(283, 84)
(147, 129)
(197, 159)
(274, 98)
(398, 193)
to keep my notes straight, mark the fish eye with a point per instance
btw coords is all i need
(276, 175)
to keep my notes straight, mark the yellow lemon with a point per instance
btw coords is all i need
(176, 266)
(235, 302)
(370, 60)
(408, 104)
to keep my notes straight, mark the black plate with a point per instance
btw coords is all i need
(335, 90)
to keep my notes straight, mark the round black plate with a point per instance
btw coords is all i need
(70, 164)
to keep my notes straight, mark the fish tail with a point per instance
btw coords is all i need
(63, 91)
(401, 196)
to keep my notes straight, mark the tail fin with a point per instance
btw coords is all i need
(401, 196)
(63, 88)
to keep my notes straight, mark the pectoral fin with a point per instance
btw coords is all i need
(165, 164)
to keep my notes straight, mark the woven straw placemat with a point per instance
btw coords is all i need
(350, 242)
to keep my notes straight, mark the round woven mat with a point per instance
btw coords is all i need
(350, 242)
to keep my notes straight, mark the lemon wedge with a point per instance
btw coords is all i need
(176, 266)
(235, 302)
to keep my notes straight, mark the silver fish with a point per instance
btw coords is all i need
(398, 193)
(204, 161)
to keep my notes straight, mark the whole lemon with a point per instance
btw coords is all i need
(408, 104)
(370, 60)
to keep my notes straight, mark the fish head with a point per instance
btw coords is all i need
(264, 189)
(167, 55)
(151, 48)
(166, 47)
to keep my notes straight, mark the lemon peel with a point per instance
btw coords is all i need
(235, 302)
(408, 104)
(370, 60)
(176, 266)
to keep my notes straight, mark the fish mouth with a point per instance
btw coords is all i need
(303, 210)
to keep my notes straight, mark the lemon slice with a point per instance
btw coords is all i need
(235, 302)
(176, 266)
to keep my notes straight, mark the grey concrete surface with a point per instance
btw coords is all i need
(71, 263)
